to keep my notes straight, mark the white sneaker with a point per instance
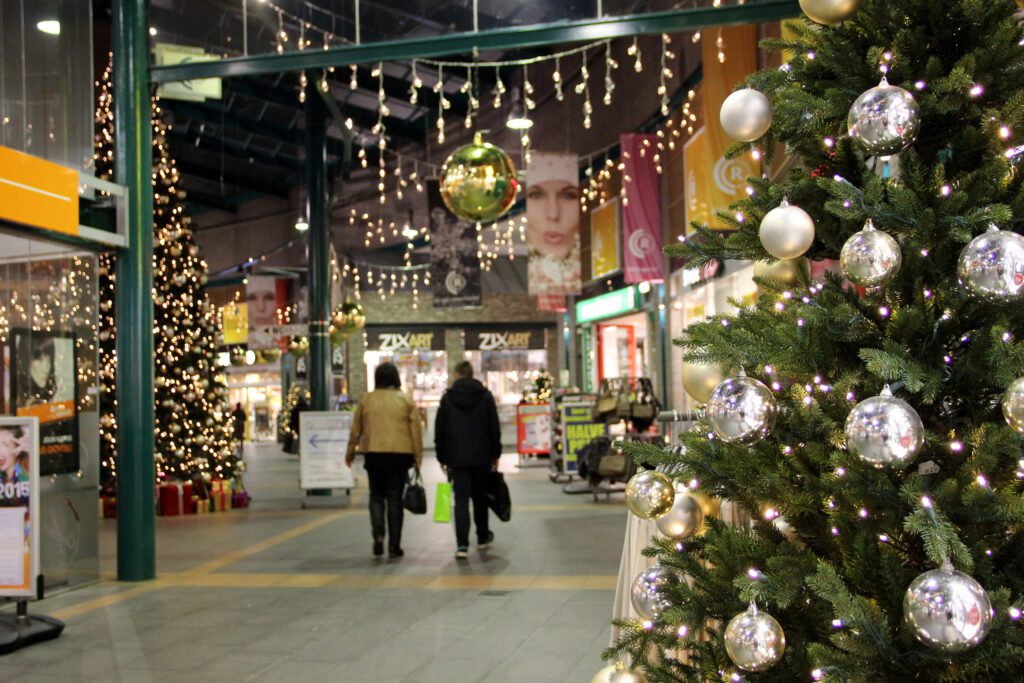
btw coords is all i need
(462, 553)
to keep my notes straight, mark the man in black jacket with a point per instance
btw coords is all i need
(468, 440)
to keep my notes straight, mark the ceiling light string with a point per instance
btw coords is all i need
(583, 88)
(609, 65)
(442, 104)
(379, 130)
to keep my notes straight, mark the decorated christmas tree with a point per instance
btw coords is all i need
(193, 420)
(864, 442)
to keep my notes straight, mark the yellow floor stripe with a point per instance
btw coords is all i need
(106, 601)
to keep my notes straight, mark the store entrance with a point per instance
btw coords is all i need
(622, 347)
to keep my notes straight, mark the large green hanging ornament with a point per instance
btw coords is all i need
(478, 182)
(346, 319)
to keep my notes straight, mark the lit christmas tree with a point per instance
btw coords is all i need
(193, 427)
(872, 442)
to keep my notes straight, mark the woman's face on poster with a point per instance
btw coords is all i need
(9, 449)
(40, 368)
(553, 217)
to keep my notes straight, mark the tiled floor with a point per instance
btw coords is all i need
(277, 593)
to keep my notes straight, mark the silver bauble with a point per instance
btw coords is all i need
(1013, 405)
(648, 594)
(786, 231)
(754, 640)
(741, 410)
(884, 120)
(884, 431)
(605, 674)
(746, 115)
(870, 258)
(625, 675)
(700, 379)
(947, 610)
(684, 519)
(649, 494)
(829, 12)
(991, 267)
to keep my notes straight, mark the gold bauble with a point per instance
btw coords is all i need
(478, 182)
(299, 346)
(618, 673)
(700, 379)
(829, 12)
(788, 271)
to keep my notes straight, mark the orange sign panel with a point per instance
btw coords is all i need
(38, 193)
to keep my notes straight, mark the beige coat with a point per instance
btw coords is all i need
(387, 421)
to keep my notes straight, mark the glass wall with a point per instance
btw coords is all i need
(48, 319)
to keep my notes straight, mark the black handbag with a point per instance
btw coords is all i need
(498, 498)
(415, 498)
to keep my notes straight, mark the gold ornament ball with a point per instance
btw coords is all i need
(478, 182)
(788, 271)
(684, 519)
(618, 673)
(829, 12)
(1013, 405)
(650, 494)
(299, 346)
(700, 379)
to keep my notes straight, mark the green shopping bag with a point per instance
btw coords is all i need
(443, 503)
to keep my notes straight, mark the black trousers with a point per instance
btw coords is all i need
(388, 473)
(470, 483)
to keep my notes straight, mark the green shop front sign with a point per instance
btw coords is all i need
(608, 305)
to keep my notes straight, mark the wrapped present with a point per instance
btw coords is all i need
(173, 498)
(108, 507)
(240, 499)
(193, 505)
(203, 507)
(221, 494)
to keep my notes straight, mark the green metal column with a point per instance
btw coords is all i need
(136, 536)
(319, 252)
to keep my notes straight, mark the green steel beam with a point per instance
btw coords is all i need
(317, 214)
(136, 523)
(537, 35)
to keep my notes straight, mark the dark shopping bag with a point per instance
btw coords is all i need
(415, 499)
(498, 498)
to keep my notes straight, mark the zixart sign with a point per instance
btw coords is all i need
(498, 340)
(390, 340)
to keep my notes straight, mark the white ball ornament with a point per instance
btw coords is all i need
(991, 266)
(742, 410)
(786, 231)
(746, 115)
(829, 12)
(947, 610)
(870, 258)
(648, 593)
(619, 673)
(754, 640)
(649, 494)
(884, 120)
(884, 431)
(700, 379)
(684, 519)
(1013, 405)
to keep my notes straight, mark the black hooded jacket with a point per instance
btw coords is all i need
(467, 432)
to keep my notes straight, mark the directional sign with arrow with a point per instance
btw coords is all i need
(324, 439)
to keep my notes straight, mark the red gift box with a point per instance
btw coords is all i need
(240, 499)
(109, 504)
(175, 498)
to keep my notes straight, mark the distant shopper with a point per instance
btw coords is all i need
(468, 439)
(239, 425)
(386, 429)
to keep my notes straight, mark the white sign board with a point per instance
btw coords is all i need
(19, 506)
(322, 444)
(198, 90)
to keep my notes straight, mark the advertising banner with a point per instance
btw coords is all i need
(38, 193)
(553, 224)
(641, 211)
(322, 450)
(454, 256)
(44, 376)
(578, 429)
(552, 303)
(19, 506)
(500, 339)
(263, 299)
(391, 339)
(713, 182)
(236, 323)
(533, 425)
(605, 250)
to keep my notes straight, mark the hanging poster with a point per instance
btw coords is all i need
(605, 250)
(713, 182)
(454, 259)
(236, 323)
(641, 210)
(264, 298)
(553, 224)
(43, 385)
(19, 506)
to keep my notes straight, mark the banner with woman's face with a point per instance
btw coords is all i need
(553, 223)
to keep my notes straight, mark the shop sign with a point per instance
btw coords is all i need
(19, 506)
(322, 449)
(389, 340)
(607, 305)
(38, 193)
(578, 430)
(198, 90)
(499, 340)
(604, 240)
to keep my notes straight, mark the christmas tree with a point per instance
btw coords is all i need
(193, 430)
(860, 424)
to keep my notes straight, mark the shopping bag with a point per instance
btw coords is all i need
(415, 498)
(498, 498)
(443, 503)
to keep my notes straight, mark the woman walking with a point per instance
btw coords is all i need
(386, 429)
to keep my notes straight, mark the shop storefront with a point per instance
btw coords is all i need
(258, 388)
(615, 335)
